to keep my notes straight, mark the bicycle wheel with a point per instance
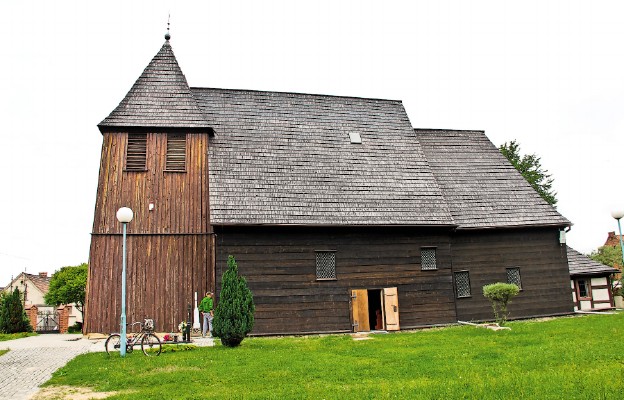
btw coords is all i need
(113, 343)
(150, 344)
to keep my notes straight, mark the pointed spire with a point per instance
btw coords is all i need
(161, 97)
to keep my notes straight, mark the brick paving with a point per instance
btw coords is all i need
(31, 361)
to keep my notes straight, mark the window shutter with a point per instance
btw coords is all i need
(136, 152)
(176, 152)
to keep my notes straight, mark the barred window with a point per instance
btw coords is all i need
(513, 276)
(462, 283)
(325, 265)
(136, 152)
(176, 152)
(428, 258)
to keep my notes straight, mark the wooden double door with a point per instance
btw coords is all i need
(375, 309)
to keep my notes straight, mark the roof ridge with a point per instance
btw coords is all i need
(296, 94)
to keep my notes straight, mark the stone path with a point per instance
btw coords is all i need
(31, 361)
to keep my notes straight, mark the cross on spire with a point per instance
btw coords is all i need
(168, 35)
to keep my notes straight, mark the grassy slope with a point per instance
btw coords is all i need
(11, 336)
(563, 358)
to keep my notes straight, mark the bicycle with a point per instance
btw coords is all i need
(150, 343)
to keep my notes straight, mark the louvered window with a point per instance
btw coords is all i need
(136, 152)
(513, 276)
(428, 258)
(462, 283)
(325, 265)
(176, 152)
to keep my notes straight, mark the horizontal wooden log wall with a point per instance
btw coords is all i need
(543, 270)
(280, 266)
(163, 272)
(170, 248)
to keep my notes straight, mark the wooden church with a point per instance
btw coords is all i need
(340, 214)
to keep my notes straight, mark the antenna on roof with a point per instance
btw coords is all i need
(167, 35)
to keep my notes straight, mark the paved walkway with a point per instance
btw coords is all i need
(31, 361)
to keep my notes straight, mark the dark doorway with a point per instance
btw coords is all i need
(375, 310)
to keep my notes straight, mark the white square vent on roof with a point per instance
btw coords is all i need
(355, 137)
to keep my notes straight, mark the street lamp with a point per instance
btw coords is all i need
(619, 214)
(124, 215)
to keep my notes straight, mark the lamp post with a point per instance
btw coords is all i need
(124, 215)
(619, 214)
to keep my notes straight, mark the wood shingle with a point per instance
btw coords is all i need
(481, 187)
(580, 264)
(159, 98)
(286, 158)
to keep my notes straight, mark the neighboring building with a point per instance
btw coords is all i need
(341, 216)
(590, 282)
(612, 239)
(33, 289)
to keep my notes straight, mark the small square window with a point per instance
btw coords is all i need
(355, 137)
(428, 258)
(325, 265)
(462, 283)
(513, 276)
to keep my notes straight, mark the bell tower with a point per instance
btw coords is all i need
(154, 160)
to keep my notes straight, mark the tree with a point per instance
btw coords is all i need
(13, 318)
(608, 255)
(68, 285)
(500, 294)
(530, 167)
(234, 315)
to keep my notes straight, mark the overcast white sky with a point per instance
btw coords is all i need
(549, 74)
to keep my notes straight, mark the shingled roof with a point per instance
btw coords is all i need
(580, 264)
(286, 158)
(159, 98)
(482, 189)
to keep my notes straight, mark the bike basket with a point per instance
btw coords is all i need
(149, 324)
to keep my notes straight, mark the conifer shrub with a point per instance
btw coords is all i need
(500, 295)
(13, 318)
(234, 315)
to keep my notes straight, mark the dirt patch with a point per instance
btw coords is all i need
(69, 393)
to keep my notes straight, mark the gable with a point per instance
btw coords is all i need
(286, 158)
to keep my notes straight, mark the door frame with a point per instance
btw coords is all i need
(358, 308)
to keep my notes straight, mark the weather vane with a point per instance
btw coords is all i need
(167, 35)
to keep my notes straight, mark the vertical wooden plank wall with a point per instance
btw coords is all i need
(170, 249)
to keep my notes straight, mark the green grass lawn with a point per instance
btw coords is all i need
(11, 336)
(571, 358)
(3, 352)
